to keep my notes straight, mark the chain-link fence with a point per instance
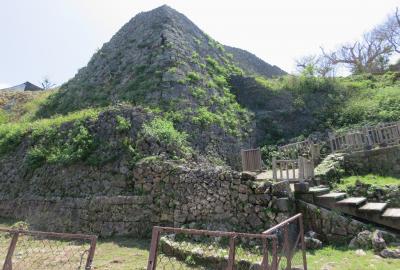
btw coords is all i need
(290, 253)
(22, 250)
(174, 248)
(279, 248)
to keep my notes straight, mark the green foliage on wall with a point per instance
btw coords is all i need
(164, 131)
(11, 134)
(122, 123)
(61, 147)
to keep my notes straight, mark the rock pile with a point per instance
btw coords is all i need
(380, 241)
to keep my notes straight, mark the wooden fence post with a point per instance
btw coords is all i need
(243, 160)
(315, 152)
(274, 169)
(301, 169)
(331, 139)
(232, 251)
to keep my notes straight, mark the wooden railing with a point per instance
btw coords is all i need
(383, 134)
(306, 147)
(292, 170)
(251, 159)
(306, 169)
(366, 137)
(297, 147)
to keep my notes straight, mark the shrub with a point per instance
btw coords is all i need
(199, 92)
(220, 80)
(193, 76)
(10, 137)
(205, 117)
(172, 70)
(122, 123)
(215, 65)
(164, 131)
(3, 117)
(263, 82)
(63, 147)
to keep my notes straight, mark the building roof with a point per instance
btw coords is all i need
(26, 86)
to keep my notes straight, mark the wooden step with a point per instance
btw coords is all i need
(352, 201)
(373, 207)
(392, 213)
(329, 200)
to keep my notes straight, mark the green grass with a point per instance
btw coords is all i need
(333, 258)
(28, 110)
(21, 106)
(370, 179)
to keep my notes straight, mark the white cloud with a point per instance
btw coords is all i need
(4, 85)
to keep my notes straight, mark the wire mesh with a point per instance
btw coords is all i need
(50, 251)
(253, 253)
(174, 248)
(289, 248)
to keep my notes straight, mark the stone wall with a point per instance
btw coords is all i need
(331, 227)
(157, 193)
(383, 161)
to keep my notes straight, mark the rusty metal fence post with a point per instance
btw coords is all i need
(155, 238)
(303, 245)
(10, 253)
(287, 247)
(89, 261)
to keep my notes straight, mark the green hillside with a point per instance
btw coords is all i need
(296, 106)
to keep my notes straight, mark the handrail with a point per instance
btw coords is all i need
(285, 222)
(50, 234)
(212, 233)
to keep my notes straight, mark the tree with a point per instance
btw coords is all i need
(370, 54)
(47, 84)
(390, 31)
(312, 65)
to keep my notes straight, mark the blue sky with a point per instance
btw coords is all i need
(55, 38)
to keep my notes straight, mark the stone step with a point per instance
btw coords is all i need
(352, 201)
(392, 213)
(319, 190)
(391, 218)
(333, 195)
(373, 207)
(329, 200)
(350, 205)
(312, 193)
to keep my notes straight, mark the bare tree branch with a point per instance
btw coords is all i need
(47, 84)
